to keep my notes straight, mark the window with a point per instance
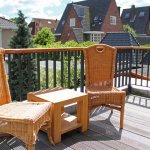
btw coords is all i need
(96, 38)
(63, 22)
(133, 18)
(127, 15)
(141, 14)
(80, 11)
(96, 18)
(72, 22)
(113, 20)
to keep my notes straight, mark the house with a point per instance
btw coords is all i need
(88, 20)
(119, 39)
(37, 24)
(122, 39)
(7, 28)
(138, 18)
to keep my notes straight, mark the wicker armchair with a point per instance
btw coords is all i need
(21, 119)
(100, 64)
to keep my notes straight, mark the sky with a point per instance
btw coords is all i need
(50, 9)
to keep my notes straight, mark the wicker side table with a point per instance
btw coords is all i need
(62, 123)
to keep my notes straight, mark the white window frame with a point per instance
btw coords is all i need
(63, 22)
(95, 37)
(133, 19)
(141, 14)
(78, 10)
(113, 20)
(72, 22)
(127, 15)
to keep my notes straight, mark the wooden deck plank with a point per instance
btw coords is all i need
(139, 101)
(125, 137)
(44, 139)
(90, 142)
(108, 141)
(103, 133)
(131, 126)
(3, 144)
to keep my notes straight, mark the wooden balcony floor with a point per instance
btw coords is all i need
(103, 132)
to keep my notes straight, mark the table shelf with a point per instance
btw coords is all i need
(68, 123)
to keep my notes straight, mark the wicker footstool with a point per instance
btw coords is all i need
(24, 119)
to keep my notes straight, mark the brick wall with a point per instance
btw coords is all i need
(112, 11)
(67, 33)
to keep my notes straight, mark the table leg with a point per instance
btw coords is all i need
(56, 123)
(82, 113)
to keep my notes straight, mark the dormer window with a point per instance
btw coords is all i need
(113, 20)
(80, 11)
(63, 22)
(133, 19)
(141, 14)
(96, 18)
(127, 15)
(72, 22)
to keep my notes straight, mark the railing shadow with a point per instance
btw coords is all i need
(138, 101)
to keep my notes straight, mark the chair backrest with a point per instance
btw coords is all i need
(100, 64)
(4, 88)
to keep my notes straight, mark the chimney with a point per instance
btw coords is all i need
(133, 7)
(133, 13)
(119, 9)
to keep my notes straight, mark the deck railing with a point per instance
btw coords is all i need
(133, 67)
(65, 67)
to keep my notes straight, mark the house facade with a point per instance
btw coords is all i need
(138, 18)
(7, 28)
(37, 24)
(88, 20)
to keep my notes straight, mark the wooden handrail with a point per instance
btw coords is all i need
(38, 50)
(132, 47)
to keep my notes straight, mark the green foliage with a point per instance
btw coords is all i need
(66, 74)
(86, 44)
(13, 19)
(146, 45)
(67, 44)
(127, 28)
(71, 44)
(24, 73)
(58, 75)
(22, 37)
(44, 37)
(21, 65)
(65, 69)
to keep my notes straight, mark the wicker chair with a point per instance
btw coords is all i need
(21, 119)
(100, 64)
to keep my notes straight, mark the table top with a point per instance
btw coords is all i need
(61, 95)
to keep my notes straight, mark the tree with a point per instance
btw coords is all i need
(127, 28)
(44, 37)
(22, 64)
(22, 38)
(13, 19)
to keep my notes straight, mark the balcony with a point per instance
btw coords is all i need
(65, 67)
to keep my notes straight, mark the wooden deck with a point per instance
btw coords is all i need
(103, 132)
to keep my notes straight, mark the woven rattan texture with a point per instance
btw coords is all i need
(4, 92)
(21, 119)
(100, 65)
